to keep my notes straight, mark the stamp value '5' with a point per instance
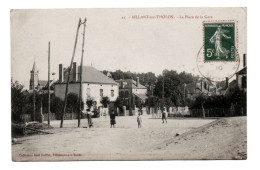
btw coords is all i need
(219, 41)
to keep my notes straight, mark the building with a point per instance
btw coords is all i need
(37, 84)
(130, 91)
(202, 86)
(241, 76)
(241, 79)
(95, 84)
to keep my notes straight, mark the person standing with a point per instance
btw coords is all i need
(89, 116)
(139, 120)
(156, 112)
(112, 119)
(164, 115)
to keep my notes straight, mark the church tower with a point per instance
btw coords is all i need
(34, 80)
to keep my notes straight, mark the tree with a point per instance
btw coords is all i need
(139, 103)
(56, 106)
(90, 102)
(17, 101)
(168, 103)
(201, 100)
(144, 78)
(152, 101)
(105, 101)
(173, 86)
(239, 99)
(119, 103)
(73, 102)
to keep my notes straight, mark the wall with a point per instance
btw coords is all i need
(59, 91)
(95, 92)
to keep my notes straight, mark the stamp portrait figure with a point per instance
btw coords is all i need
(220, 51)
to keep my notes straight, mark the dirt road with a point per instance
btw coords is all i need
(126, 142)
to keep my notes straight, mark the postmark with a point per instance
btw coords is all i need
(219, 41)
(217, 71)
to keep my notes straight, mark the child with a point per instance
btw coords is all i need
(164, 115)
(112, 119)
(139, 120)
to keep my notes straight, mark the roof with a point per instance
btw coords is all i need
(141, 96)
(242, 71)
(43, 82)
(34, 68)
(129, 83)
(92, 75)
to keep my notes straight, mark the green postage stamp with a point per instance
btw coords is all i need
(219, 41)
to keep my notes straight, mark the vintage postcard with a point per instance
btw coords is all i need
(129, 84)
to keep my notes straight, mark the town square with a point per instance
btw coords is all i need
(129, 84)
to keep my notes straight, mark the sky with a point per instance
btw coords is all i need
(116, 39)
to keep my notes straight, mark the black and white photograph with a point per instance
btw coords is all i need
(121, 84)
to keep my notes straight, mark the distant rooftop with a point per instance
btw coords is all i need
(130, 83)
(92, 75)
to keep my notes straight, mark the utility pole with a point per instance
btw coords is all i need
(33, 98)
(184, 92)
(163, 91)
(41, 105)
(68, 78)
(81, 70)
(49, 103)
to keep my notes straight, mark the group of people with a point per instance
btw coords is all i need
(90, 122)
(113, 118)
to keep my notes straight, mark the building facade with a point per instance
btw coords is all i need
(130, 91)
(241, 76)
(205, 87)
(95, 85)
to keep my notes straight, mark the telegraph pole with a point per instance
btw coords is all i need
(33, 98)
(184, 92)
(81, 70)
(68, 78)
(49, 103)
(163, 90)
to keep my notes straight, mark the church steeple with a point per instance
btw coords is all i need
(34, 68)
(34, 80)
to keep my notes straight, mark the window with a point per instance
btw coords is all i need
(88, 92)
(121, 94)
(112, 93)
(101, 92)
(126, 94)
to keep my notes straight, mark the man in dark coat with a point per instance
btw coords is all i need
(112, 119)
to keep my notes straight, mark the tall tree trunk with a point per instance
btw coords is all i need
(203, 111)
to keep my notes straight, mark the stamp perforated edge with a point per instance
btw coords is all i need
(236, 39)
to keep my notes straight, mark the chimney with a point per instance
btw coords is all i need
(61, 73)
(244, 60)
(137, 81)
(74, 72)
(226, 82)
